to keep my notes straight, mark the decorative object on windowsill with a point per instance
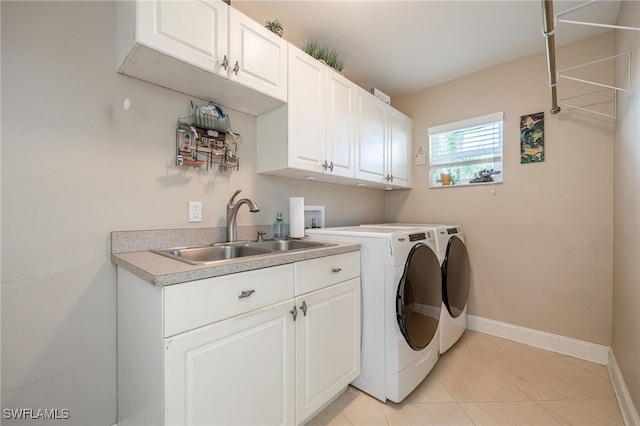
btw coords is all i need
(204, 139)
(484, 175)
(275, 26)
(532, 138)
(448, 178)
(324, 54)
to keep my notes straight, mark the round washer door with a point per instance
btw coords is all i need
(455, 277)
(419, 297)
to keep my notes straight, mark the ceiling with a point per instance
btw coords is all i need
(401, 47)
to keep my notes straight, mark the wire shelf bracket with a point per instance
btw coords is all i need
(562, 74)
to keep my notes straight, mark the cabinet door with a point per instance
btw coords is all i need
(371, 138)
(328, 345)
(400, 148)
(193, 31)
(237, 371)
(257, 57)
(306, 121)
(340, 124)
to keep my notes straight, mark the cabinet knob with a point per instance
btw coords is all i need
(303, 308)
(294, 312)
(336, 270)
(331, 166)
(246, 293)
(325, 166)
(225, 62)
(236, 68)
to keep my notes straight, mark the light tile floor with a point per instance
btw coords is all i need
(486, 380)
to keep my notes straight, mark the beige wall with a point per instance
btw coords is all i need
(541, 246)
(76, 166)
(626, 249)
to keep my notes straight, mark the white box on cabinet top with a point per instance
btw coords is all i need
(203, 48)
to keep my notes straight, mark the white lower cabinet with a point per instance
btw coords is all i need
(327, 345)
(235, 372)
(271, 346)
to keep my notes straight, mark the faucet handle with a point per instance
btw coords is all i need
(261, 235)
(231, 201)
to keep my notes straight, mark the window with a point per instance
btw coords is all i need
(466, 152)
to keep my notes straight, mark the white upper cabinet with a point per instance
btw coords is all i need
(372, 138)
(383, 143)
(399, 149)
(257, 57)
(306, 112)
(313, 135)
(192, 31)
(205, 49)
(340, 125)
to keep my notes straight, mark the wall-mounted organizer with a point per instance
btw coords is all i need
(204, 139)
(550, 22)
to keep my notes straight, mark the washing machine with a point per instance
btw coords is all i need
(401, 302)
(454, 261)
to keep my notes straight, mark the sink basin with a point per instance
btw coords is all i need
(210, 254)
(286, 245)
(225, 251)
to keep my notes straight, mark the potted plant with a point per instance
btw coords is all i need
(275, 26)
(324, 53)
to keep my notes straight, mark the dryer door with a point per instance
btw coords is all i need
(419, 297)
(455, 277)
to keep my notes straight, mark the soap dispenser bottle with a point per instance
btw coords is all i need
(278, 227)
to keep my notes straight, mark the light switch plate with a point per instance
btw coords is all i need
(195, 211)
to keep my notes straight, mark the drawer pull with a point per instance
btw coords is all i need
(246, 293)
(336, 270)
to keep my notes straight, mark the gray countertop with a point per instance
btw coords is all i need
(160, 270)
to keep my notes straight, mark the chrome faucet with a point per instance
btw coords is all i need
(232, 211)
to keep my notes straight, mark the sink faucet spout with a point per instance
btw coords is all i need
(232, 211)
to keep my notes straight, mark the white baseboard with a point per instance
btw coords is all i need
(629, 412)
(541, 339)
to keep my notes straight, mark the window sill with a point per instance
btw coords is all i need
(466, 185)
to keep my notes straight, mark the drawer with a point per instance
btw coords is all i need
(318, 273)
(198, 303)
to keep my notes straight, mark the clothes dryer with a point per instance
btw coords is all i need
(401, 302)
(454, 261)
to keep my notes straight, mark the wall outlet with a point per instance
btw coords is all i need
(195, 211)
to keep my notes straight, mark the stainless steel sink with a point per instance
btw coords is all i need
(285, 245)
(225, 251)
(210, 254)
